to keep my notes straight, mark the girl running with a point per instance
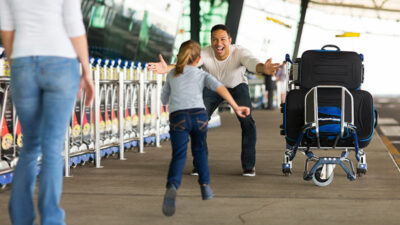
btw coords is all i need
(183, 91)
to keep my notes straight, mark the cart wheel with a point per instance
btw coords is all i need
(316, 178)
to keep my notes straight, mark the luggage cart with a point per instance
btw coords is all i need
(319, 115)
(115, 111)
(18, 142)
(164, 124)
(75, 136)
(147, 116)
(87, 132)
(106, 109)
(127, 112)
(131, 132)
(164, 116)
(115, 121)
(8, 150)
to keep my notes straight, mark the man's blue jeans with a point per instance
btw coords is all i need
(185, 123)
(249, 134)
(43, 90)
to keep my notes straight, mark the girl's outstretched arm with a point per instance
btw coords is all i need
(241, 111)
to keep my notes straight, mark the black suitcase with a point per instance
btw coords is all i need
(364, 117)
(330, 68)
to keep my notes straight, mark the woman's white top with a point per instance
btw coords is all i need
(42, 27)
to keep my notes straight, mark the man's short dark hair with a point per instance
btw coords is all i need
(220, 27)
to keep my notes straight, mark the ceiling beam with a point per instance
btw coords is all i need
(357, 6)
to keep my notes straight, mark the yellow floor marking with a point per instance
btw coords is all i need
(390, 146)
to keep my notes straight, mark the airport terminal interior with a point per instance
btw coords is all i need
(334, 103)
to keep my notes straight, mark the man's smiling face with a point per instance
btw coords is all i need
(220, 42)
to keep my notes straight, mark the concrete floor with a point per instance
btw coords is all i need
(131, 192)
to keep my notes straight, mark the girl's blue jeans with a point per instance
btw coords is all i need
(43, 90)
(185, 123)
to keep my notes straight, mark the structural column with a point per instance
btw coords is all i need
(304, 5)
(195, 20)
(233, 17)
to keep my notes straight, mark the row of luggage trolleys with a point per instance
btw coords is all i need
(126, 114)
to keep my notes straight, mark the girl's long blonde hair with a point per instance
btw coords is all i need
(188, 53)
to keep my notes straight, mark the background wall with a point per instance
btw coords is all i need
(378, 39)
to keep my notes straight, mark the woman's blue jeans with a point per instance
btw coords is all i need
(185, 123)
(43, 90)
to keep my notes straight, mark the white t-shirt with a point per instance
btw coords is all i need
(230, 71)
(42, 27)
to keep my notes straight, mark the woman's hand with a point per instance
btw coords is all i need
(86, 84)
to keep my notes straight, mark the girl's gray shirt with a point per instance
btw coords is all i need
(186, 90)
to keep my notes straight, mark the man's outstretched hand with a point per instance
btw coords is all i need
(158, 67)
(270, 68)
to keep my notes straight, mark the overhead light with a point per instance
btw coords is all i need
(278, 22)
(348, 34)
